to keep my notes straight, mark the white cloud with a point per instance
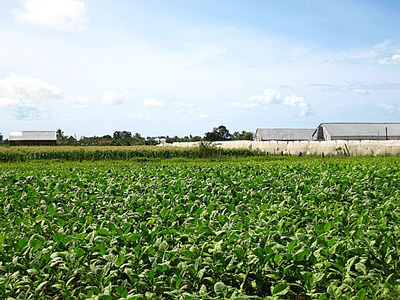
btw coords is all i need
(153, 103)
(63, 15)
(396, 57)
(4, 102)
(28, 113)
(269, 96)
(393, 60)
(272, 97)
(261, 101)
(24, 86)
(33, 99)
(113, 97)
(299, 102)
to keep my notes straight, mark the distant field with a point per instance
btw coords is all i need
(287, 228)
(74, 153)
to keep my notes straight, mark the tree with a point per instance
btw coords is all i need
(151, 141)
(223, 132)
(122, 135)
(244, 135)
(59, 134)
(212, 136)
(60, 137)
(196, 138)
(71, 141)
(220, 133)
(137, 139)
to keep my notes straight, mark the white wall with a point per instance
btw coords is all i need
(327, 148)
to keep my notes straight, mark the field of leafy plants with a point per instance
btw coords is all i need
(282, 228)
(128, 153)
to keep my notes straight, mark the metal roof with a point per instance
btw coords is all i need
(362, 129)
(285, 134)
(33, 136)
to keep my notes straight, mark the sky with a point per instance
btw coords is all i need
(92, 67)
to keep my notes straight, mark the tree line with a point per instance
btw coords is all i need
(126, 138)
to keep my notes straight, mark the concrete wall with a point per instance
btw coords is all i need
(326, 148)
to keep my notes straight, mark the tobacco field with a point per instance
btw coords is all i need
(287, 228)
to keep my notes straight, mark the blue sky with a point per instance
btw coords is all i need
(91, 67)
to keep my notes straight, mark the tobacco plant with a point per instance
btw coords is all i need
(281, 229)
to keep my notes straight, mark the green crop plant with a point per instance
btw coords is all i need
(289, 228)
(94, 153)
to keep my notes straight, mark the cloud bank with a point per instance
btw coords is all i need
(4, 102)
(30, 98)
(28, 87)
(65, 15)
(33, 98)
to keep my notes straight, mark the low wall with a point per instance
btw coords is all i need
(326, 148)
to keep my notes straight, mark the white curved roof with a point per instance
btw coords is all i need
(285, 134)
(362, 129)
(33, 136)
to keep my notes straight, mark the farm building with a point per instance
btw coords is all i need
(357, 131)
(283, 134)
(29, 138)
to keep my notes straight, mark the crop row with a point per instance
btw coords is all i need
(303, 229)
(17, 154)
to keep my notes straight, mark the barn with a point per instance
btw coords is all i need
(30, 138)
(357, 131)
(283, 134)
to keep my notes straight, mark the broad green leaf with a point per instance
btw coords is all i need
(79, 251)
(322, 297)
(35, 244)
(203, 290)
(23, 242)
(239, 226)
(220, 288)
(120, 260)
(58, 237)
(264, 207)
(361, 294)
(280, 289)
(41, 285)
(51, 208)
(164, 213)
(328, 226)
(360, 267)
